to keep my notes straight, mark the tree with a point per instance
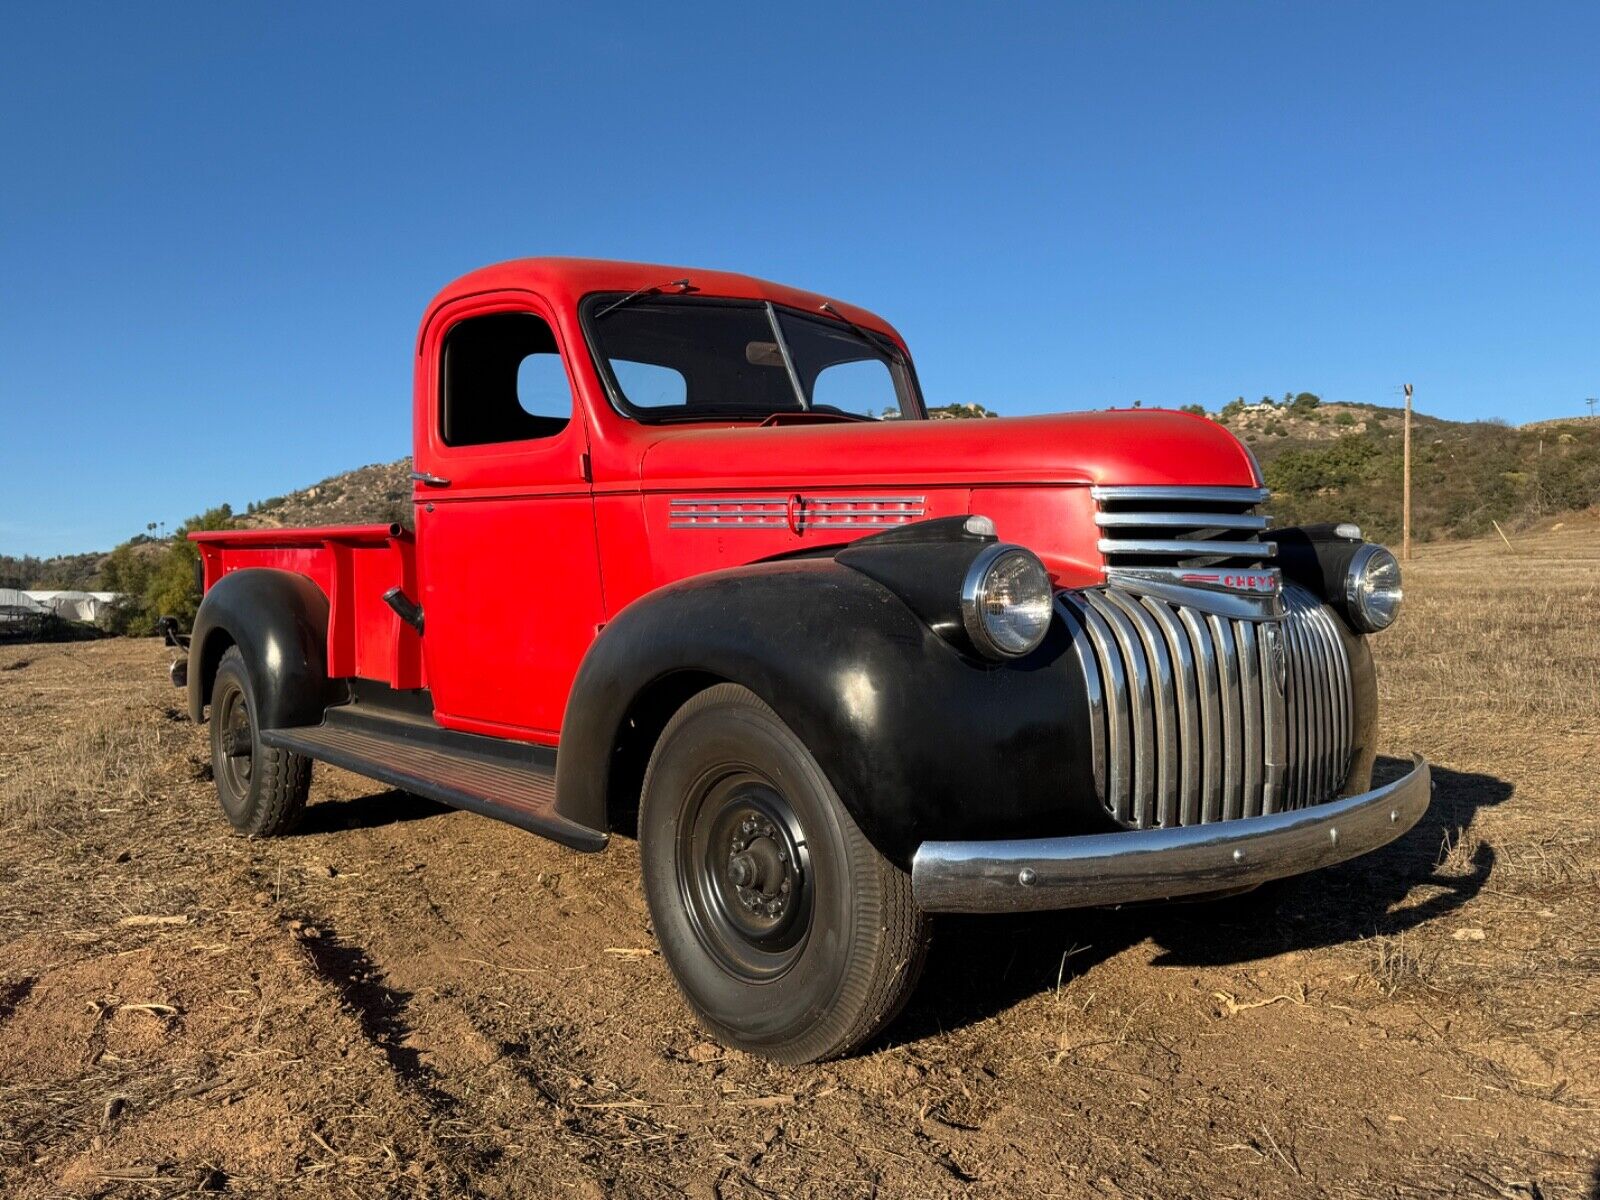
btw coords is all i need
(172, 590)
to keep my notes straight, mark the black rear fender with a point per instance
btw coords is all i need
(279, 621)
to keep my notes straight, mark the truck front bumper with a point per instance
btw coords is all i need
(1156, 864)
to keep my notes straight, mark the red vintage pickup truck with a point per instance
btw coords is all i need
(689, 559)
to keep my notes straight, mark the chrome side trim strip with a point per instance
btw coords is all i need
(780, 501)
(1035, 874)
(795, 512)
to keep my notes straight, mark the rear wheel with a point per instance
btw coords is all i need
(262, 788)
(790, 936)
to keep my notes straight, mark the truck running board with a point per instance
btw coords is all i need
(510, 781)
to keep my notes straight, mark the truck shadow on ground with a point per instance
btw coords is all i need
(979, 966)
(389, 807)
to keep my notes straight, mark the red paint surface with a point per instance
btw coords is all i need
(520, 559)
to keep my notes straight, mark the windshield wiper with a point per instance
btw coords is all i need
(681, 284)
(876, 341)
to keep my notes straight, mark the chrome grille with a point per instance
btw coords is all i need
(1181, 526)
(1196, 718)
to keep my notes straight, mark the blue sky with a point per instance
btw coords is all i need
(218, 223)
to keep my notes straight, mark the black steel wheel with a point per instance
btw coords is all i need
(262, 789)
(744, 873)
(788, 934)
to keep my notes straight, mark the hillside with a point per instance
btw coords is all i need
(69, 572)
(373, 494)
(1329, 462)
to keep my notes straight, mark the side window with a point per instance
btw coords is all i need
(502, 381)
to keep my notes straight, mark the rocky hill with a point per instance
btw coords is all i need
(373, 494)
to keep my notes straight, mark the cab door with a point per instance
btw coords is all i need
(507, 560)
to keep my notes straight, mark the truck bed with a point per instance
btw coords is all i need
(353, 565)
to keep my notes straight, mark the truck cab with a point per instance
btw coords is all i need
(688, 557)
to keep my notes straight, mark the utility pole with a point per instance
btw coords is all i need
(1405, 517)
(1591, 402)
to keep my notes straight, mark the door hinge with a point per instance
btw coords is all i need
(584, 468)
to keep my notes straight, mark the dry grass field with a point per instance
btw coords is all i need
(402, 1000)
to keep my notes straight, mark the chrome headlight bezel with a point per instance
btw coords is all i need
(986, 635)
(1362, 598)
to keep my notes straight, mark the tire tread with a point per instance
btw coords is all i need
(280, 780)
(890, 936)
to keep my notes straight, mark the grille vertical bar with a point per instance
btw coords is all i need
(1197, 718)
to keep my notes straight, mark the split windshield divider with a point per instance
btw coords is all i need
(788, 359)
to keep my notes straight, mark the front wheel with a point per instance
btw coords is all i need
(788, 933)
(262, 788)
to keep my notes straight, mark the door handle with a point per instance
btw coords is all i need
(430, 480)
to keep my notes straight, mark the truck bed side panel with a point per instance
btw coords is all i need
(353, 566)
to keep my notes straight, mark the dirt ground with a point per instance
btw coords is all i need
(403, 1000)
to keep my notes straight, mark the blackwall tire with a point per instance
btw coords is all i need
(790, 936)
(262, 789)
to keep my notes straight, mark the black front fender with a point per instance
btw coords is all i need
(920, 740)
(279, 621)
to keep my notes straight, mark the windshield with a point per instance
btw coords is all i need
(688, 359)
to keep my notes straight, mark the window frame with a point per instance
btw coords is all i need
(441, 395)
(536, 467)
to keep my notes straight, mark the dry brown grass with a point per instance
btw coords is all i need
(107, 757)
(1491, 631)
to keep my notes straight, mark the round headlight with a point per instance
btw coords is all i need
(1372, 588)
(1006, 601)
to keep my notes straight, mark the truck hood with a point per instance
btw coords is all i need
(1117, 447)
